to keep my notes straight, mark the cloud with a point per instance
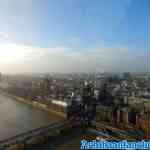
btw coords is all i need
(17, 58)
(24, 58)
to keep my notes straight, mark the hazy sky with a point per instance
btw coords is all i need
(74, 35)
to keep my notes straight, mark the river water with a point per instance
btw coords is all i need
(17, 117)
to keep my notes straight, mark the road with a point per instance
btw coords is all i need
(17, 117)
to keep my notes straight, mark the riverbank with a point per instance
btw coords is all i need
(36, 104)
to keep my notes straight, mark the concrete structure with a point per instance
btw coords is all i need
(104, 113)
(36, 136)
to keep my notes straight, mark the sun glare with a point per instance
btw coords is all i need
(12, 53)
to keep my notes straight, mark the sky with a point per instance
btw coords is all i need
(74, 36)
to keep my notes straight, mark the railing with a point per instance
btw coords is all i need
(23, 137)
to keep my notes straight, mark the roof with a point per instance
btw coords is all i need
(62, 103)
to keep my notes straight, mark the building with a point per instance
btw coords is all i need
(104, 113)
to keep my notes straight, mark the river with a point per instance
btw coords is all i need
(17, 117)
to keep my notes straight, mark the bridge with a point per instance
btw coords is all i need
(23, 138)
